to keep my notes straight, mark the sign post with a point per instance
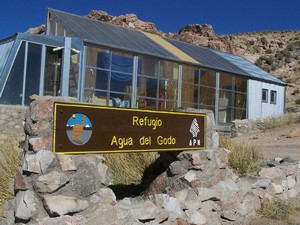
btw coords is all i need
(81, 128)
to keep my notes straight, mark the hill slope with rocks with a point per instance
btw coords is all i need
(277, 52)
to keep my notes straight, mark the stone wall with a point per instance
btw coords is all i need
(239, 127)
(11, 122)
(197, 187)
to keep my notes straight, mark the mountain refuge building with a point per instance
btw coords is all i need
(104, 64)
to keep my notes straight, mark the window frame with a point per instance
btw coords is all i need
(273, 97)
(264, 95)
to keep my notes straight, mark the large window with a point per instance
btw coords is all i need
(33, 70)
(29, 72)
(52, 72)
(12, 93)
(157, 83)
(198, 88)
(190, 91)
(108, 79)
(207, 89)
(147, 83)
(232, 98)
(168, 85)
(125, 80)
(74, 75)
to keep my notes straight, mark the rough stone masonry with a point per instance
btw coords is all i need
(197, 187)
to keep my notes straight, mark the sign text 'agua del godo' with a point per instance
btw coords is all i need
(81, 128)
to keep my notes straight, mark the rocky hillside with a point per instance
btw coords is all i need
(277, 52)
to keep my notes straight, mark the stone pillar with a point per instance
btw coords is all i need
(11, 121)
(50, 184)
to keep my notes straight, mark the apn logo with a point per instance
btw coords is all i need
(194, 130)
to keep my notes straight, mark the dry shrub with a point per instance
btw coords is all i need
(9, 163)
(277, 121)
(243, 159)
(128, 168)
(277, 209)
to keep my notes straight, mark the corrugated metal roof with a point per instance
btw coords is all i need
(248, 67)
(133, 40)
(171, 48)
(110, 35)
(208, 58)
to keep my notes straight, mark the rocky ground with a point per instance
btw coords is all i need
(276, 143)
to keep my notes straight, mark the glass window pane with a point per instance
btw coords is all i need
(169, 69)
(12, 93)
(52, 72)
(144, 103)
(208, 78)
(207, 96)
(120, 82)
(96, 57)
(240, 114)
(168, 105)
(226, 97)
(226, 81)
(122, 62)
(241, 84)
(190, 93)
(264, 95)
(111, 72)
(273, 97)
(225, 115)
(190, 74)
(33, 71)
(98, 97)
(168, 90)
(240, 100)
(147, 82)
(73, 79)
(148, 66)
(147, 87)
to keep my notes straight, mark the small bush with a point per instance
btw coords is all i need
(270, 61)
(279, 55)
(269, 51)
(129, 168)
(259, 62)
(243, 159)
(285, 53)
(277, 209)
(9, 163)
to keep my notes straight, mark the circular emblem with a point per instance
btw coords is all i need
(79, 129)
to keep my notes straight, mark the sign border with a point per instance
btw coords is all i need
(55, 104)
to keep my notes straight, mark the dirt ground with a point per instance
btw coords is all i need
(275, 144)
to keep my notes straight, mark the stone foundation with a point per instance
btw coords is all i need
(11, 122)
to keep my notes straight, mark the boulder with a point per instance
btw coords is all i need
(58, 205)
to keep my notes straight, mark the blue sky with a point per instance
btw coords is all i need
(226, 16)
